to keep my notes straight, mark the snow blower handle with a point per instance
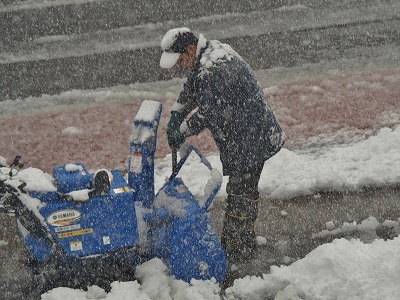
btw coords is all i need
(174, 160)
(185, 151)
(214, 183)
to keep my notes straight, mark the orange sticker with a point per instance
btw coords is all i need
(136, 163)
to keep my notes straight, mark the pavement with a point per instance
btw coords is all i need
(292, 227)
(96, 44)
(289, 226)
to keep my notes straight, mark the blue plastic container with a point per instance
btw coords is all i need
(71, 177)
(188, 241)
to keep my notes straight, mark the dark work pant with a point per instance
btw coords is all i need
(241, 213)
(245, 184)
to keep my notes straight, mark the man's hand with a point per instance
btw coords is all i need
(175, 137)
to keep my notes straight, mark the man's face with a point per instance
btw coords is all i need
(186, 59)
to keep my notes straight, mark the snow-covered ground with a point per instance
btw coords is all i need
(343, 269)
(342, 117)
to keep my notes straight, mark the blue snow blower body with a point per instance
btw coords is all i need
(106, 236)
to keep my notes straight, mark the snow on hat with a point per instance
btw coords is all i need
(173, 44)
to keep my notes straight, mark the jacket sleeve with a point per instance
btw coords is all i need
(196, 124)
(198, 121)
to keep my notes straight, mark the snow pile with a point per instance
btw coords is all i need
(367, 226)
(71, 131)
(174, 206)
(340, 270)
(155, 285)
(374, 161)
(35, 179)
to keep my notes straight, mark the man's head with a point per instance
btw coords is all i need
(179, 46)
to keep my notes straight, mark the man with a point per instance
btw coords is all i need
(231, 104)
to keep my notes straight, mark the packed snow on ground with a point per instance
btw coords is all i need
(343, 269)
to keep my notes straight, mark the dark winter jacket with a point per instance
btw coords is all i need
(232, 105)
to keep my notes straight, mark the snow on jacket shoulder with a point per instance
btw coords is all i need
(232, 105)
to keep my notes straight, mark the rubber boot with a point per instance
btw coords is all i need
(238, 234)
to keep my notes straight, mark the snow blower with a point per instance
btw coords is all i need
(84, 228)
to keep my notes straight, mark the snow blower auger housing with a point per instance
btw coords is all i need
(86, 228)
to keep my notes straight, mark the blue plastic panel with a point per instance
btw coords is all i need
(142, 149)
(105, 223)
(68, 181)
(188, 242)
(195, 250)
